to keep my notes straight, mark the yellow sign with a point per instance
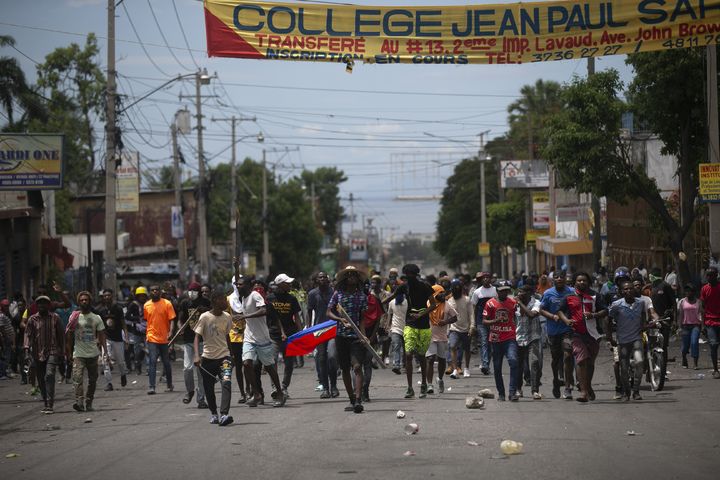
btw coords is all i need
(483, 249)
(478, 34)
(709, 182)
(127, 184)
(31, 161)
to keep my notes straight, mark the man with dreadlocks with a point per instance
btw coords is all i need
(350, 348)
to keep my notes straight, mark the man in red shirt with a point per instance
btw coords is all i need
(710, 297)
(499, 317)
(584, 308)
(159, 314)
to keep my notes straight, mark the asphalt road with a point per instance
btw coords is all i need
(131, 433)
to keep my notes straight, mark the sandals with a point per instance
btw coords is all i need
(582, 399)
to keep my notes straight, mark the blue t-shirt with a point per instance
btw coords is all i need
(628, 318)
(550, 301)
(353, 305)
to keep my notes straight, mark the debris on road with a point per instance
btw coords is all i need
(400, 414)
(474, 402)
(409, 453)
(411, 428)
(487, 393)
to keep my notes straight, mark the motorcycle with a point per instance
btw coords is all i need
(655, 358)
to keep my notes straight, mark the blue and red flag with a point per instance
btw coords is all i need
(304, 342)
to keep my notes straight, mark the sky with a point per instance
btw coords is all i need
(394, 130)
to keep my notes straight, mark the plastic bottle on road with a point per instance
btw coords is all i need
(511, 447)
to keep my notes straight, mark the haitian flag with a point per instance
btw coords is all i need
(304, 342)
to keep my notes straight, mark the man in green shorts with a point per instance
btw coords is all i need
(417, 323)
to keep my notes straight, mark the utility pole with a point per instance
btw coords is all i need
(595, 201)
(178, 202)
(266, 237)
(352, 214)
(483, 221)
(110, 212)
(201, 252)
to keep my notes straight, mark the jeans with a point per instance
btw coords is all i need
(532, 354)
(161, 349)
(631, 356)
(80, 364)
(508, 349)
(527, 369)
(220, 368)
(398, 350)
(713, 333)
(485, 347)
(327, 364)
(278, 347)
(691, 340)
(45, 372)
(189, 371)
(139, 342)
(460, 342)
(117, 350)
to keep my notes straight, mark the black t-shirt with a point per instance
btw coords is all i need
(187, 306)
(114, 321)
(284, 306)
(663, 298)
(135, 319)
(418, 296)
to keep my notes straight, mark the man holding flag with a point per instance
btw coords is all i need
(351, 349)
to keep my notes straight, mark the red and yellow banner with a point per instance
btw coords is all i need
(478, 34)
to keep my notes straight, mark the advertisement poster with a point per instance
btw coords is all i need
(32, 161)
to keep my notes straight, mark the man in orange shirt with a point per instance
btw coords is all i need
(159, 314)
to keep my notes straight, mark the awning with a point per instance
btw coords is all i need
(564, 246)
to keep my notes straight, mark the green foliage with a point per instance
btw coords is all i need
(506, 224)
(327, 189)
(536, 103)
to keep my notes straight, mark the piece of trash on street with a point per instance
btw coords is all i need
(701, 376)
(419, 382)
(88, 420)
(400, 414)
(409, 453)
(473, 444)
(474, 402)
(511, 447)
(134, 382)
(11, 455)
(411, 428)
(631, 433)
(449, 388)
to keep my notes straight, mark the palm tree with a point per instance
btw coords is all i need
(528, 113)
(12, 79)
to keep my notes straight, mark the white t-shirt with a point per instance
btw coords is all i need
(397, 315)
(256, 329)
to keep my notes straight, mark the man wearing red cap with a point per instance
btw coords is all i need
(190, 310)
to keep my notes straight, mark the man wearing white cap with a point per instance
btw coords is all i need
(286, 308)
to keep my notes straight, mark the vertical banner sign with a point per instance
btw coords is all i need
(709, 182)
(358, 247)
(127, 183)
(459, 35)
(32, 161)
(541, 211)
(177, 222)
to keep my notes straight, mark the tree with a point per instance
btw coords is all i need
(14, 91)
(528, 116)
(592, 155)
(327, 190)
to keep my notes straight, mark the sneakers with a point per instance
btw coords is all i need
(485, 370)
(636, 396)
(202, 405)
(387, 361)
(568, 394)
(225, 420)
(449, 370)
(366, 395)
(49, 411)
(151, 391)
(538, 396)
(716, 375)
(89, 407)
(334, 392)
(501, 398)
(170, 387)
(423, 391)
(109, 387)
(78, 407)
(556, 388)
(358, 407)
(466, 373)
(514, 397)
(618, 393)
(325, 394)
(253, 402)
(430, 389)
(396, 371)
(459, 369)
(280, 402)
(351, 407)
(454, 374)
(625, 398)
(319, 388)
(188, 397)
(35, 391)
(123, 380)
(214, 420)
(441, 385)
(519, 393)
(410, 393)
